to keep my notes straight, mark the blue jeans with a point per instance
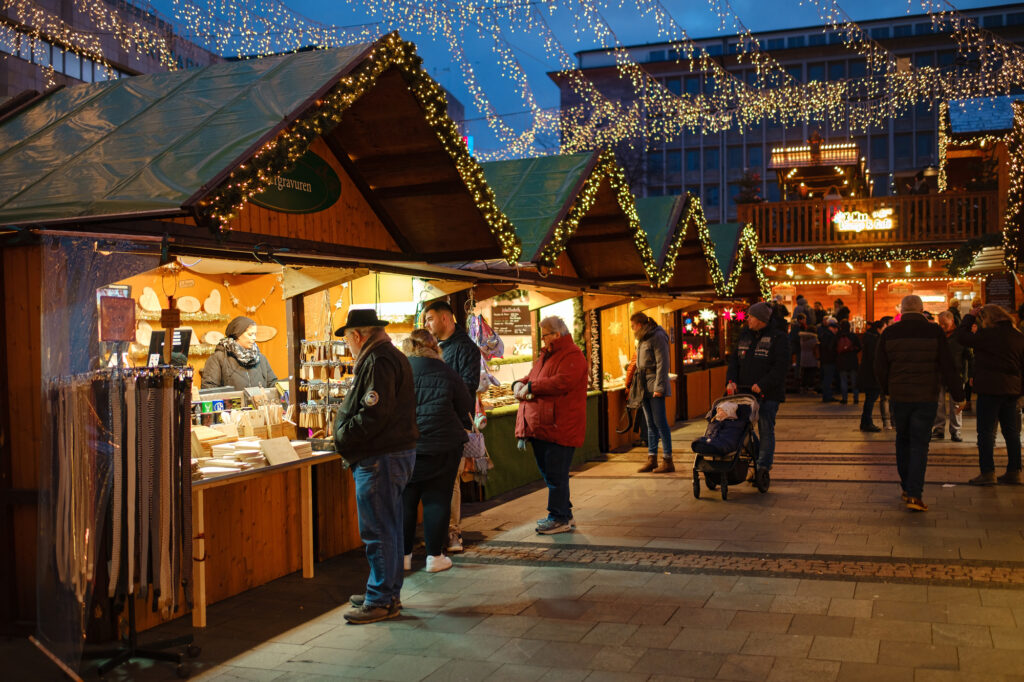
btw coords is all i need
(554, 461)
(380, 481)
(848, 382)
(913, 422)
(828, 375)
(766, 432)
(657, 426)
(1002, 410)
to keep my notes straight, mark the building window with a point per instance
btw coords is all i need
(902, 149)
(858, 68)
(755, 159)
(654, 161)
(673, 161)
(816, 39)
(776, 43)
(693, 190)
(674, 86)
(693, 85)
(692, 159)
(926, 151)
(711, 159)
(773, 192)
(656, 56)
(72, 66)
(992, 21)
(734, 191)
(879, 147)
(655, 191)
(796, 71)
(923, 28)
(714, 50)
(711, 196)
(734, 158)
(815, 72)
(796, 41)
(1015, 19)
(880, 33)
(924, 59)
(836, 71)
(902, 31)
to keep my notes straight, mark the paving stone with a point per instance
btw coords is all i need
(786, 669)
(653, 615)
(517, 672)
(913, 611)
(508, 626)
(565, 655)
(610, 612)
(852, 608)
(669, 662)
(654, 636)
(463, 671)
(714, 641)
(844, 649)
(893, 630)
(956, 634)
(1007, 638)
(616, 658)
(558, 630)
(800, 605)
(517, 650)
(982, 615)
(759, 621)
(826, 588)
(992, 662)
(774, 644)
(610, 634)
(741, 601)
(713, 618)
(745, 668)
(813, 624)
(916, 655)
(876, 672)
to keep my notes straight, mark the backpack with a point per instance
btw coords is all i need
(845, 345)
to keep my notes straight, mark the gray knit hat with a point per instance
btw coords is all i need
(761, 311)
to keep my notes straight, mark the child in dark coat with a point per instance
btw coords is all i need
(725, 432)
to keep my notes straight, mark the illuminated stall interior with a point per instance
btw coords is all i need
(820, 169)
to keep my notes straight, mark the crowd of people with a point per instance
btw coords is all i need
(920, 369)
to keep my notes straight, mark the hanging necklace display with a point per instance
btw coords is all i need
(252, 309)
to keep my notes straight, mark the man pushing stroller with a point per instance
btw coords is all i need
(758, 366)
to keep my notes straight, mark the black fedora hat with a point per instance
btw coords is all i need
(361, 317)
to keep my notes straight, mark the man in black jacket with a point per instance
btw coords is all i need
(462, 355)
(758, 365)
(458, 350)
(912, 362)
(375, 432)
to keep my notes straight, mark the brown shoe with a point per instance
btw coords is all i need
(985, 478)
(1010, 478)
(652, 464)
(666, 467)
(916, 504)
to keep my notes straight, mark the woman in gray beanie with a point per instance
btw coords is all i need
(237, 363)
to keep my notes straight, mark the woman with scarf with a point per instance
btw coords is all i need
(237, 363)
(652, 366)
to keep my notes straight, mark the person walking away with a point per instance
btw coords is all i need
(803, 308)
(999, 363)
(819, 313)
(847, 348)
(828, 352)
(912, 361)
(947, 411)
(463, 356)
(808, 359)
(441, 399)
(552, 417)
(866, 377)
(758, 365)
(375, 432)
(652, 364)
(840, 311)
(884, 404)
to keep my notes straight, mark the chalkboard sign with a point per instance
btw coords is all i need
(999, 289)
(511, 320)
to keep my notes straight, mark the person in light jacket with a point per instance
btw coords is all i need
(553, 417)
(652, 365)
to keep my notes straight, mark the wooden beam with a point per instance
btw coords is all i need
(371, 199)
(390, 164)
(311, 279)
(426, 189)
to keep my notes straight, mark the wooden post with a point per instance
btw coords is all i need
(306, 518)
(199, 559)
(869, 294)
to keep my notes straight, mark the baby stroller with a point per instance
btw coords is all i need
(729, 468)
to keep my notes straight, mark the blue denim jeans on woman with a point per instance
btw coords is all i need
(766, 414)
(657, 426)
(913, 422)
(380, 481)
(1002, 411)
(554, 461)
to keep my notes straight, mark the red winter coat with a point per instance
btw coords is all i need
(558, 382)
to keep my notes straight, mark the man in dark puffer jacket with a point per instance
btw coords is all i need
(911, 361)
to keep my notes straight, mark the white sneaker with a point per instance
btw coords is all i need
(407, 564)
(436, 564)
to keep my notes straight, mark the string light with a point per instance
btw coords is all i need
(1012, 229)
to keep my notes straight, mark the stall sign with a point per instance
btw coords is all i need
(839, 289)
(858, 221)
(511, 320)
(784, 290)
(999, 289)
(961, 285)
(901, 288)
(311, 186)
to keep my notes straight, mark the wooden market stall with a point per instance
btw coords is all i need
(289, 161)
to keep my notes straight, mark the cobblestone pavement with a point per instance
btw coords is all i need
(825, 577)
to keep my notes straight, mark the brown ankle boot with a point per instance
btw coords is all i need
(666, 467)
(652, 463)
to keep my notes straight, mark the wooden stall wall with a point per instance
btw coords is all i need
(250, 290)
(22, 423)
(349, 222)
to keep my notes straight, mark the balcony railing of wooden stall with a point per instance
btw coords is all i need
(916, 219)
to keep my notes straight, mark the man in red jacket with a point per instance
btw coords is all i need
(553, 417)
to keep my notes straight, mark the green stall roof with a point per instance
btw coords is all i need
(659, 216)
(726, 240)
(536, 193)
(150, 144)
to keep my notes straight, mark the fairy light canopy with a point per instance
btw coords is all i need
(575, 215)
(202, 143)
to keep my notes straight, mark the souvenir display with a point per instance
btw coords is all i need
(188, 304)
(212, 303)
(149, 301)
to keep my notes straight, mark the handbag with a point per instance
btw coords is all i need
(478, 462)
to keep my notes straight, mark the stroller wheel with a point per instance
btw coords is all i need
(711, 480)
(725, 490)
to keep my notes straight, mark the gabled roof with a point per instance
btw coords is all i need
(980, 115)
(578, 205)
(201, 142)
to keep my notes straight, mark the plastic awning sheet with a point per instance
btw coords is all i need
(726, 240)
(533, 193)
(148, 143)
(659, 216)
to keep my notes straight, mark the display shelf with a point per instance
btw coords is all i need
(185, 317)
(201, 350)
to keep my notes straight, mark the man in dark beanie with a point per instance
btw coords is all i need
(758, 365)
(375, 432)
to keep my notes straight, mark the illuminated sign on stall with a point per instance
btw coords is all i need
(858, 221)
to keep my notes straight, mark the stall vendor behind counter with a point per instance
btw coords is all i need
(237, 362)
